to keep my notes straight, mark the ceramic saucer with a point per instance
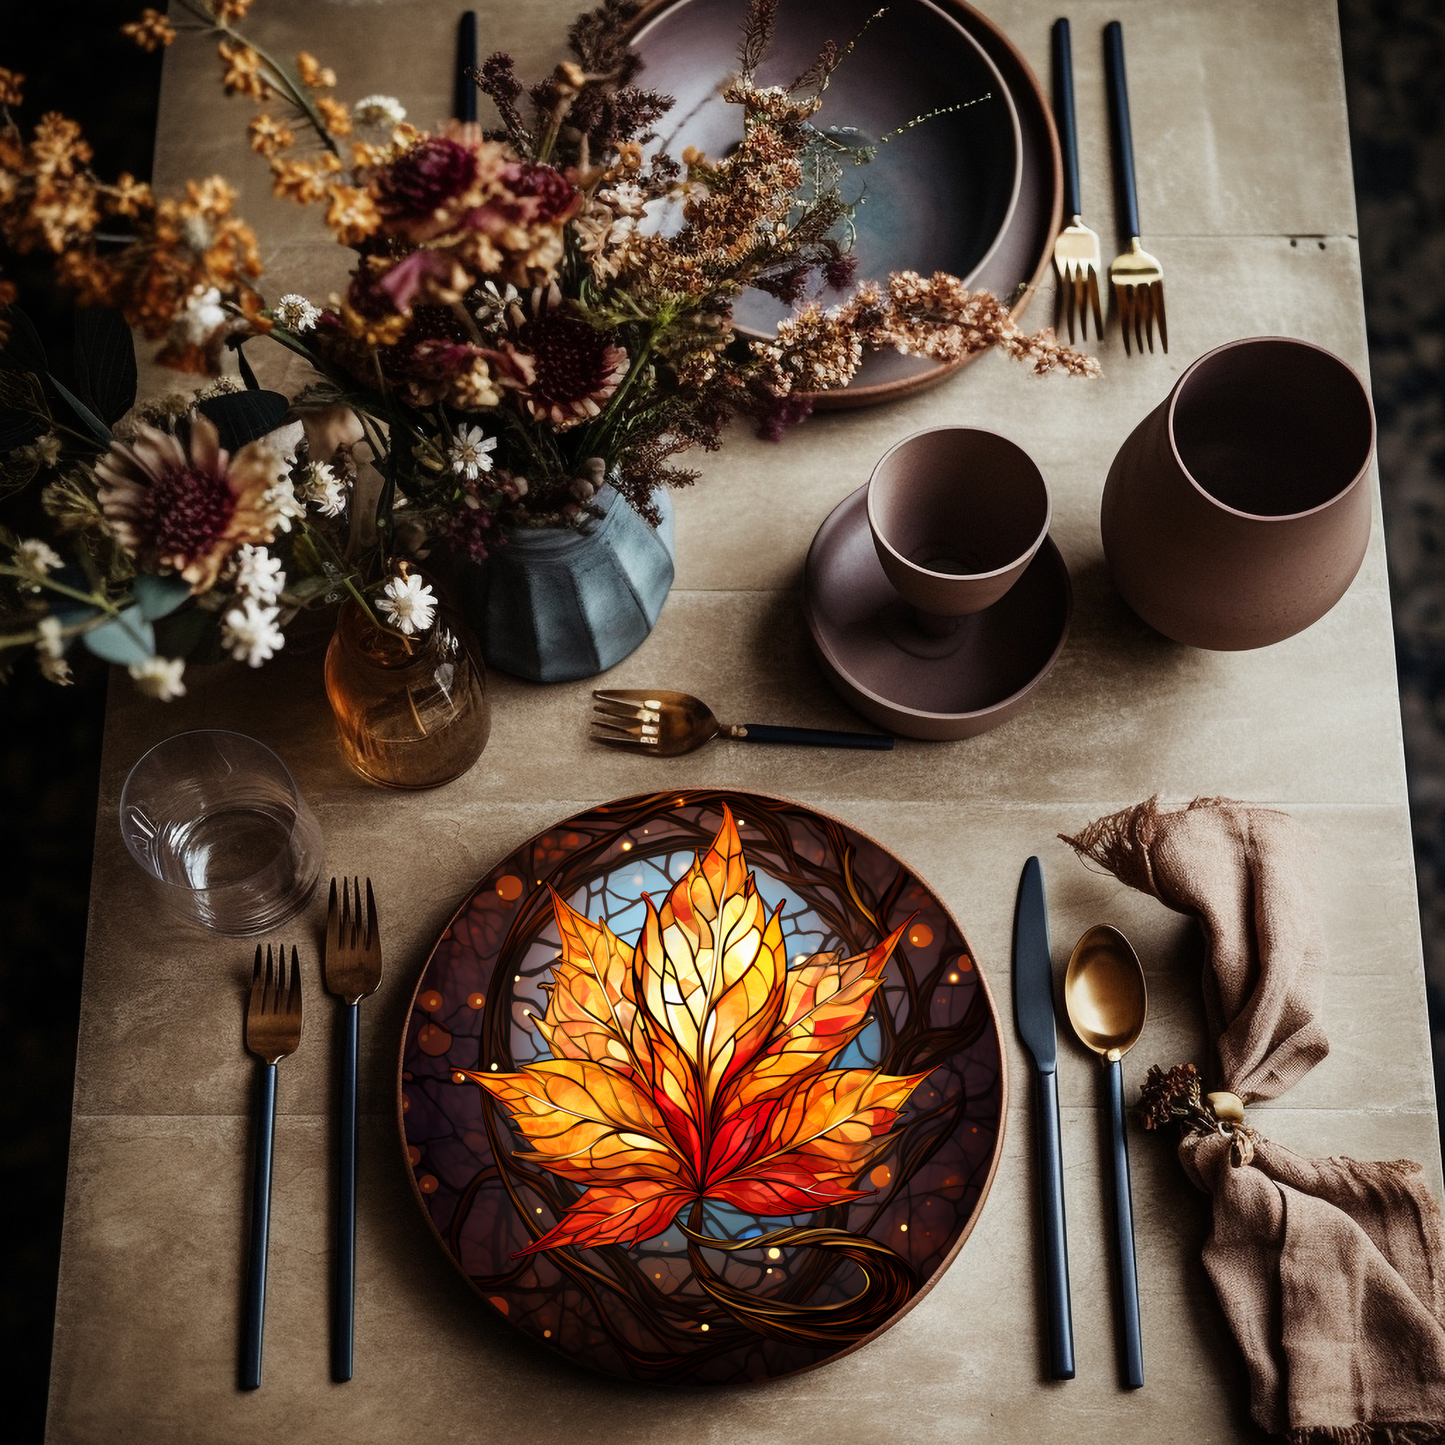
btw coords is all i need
(924, 687)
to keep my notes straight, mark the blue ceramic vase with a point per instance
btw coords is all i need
(556, 604)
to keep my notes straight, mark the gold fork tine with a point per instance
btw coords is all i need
(616, 729)
(373, 938)
(293, 999)
(1156, 292)
(617, 710)
(1094, 300)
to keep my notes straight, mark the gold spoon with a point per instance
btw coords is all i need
(1107, 1003)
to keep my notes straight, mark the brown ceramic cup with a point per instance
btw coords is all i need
(1238, 511)
(957, 514)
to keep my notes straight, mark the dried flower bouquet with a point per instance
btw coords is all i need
(534, 311)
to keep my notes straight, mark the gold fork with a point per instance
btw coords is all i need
(273, 1030)
(667, 724)
(1137, 278)
(1077, 257)
(353, 970)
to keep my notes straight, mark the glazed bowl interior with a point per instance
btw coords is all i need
(1273, 427)
(937, 196)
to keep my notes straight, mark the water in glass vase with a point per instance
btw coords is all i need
(411, 712)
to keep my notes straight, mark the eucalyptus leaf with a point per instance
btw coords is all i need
(105, 361)
(88, 417)
(158, 597)
(127, 639)
(245, 416)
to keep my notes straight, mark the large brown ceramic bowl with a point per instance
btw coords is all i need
(1238, 511)
(869, 644)
(975, 193)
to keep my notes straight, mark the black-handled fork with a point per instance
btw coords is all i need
(667, 724)
(353, 970)
(273, 1030)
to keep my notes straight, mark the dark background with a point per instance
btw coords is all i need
(50, 737)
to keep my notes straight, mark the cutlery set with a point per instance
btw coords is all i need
(1106, 1002)
(352, 971)
(1136, 277)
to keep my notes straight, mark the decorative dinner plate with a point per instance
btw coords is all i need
(976, 192)
(690, 1151)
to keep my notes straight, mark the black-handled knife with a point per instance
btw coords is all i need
(1034, 1012)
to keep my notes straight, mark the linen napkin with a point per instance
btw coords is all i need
(1331, 1272)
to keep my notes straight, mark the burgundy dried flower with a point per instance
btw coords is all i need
(469, 532)
(572, 369)
(554, 195)
(424, 179)
(839, 271)
(777, 413)
(187, 508)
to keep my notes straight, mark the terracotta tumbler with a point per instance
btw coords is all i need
(957, 514)
(1238, 512)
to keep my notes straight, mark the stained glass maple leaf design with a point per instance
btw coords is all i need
(695, 1064)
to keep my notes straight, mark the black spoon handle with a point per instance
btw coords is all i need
(1131, 1343)
(1064, 115)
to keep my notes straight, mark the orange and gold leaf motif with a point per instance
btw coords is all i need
(695, 1064)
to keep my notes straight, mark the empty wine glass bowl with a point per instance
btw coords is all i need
(216, 821)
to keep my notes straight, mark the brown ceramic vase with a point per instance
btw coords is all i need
(1238, 511)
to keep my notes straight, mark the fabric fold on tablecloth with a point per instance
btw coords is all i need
(1331, 1272)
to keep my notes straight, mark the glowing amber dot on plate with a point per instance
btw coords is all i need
(775, 1253)
(405, 1103)
(458, 1077)
(546, 1334)
(427, 1184)
(881, 1175)
(498, 1303)
(434, 1039)
(626, 847)
(953, 978)
(704, 1329)
(904, 1228)
(920, 935)
(431, 1000)
(509, 886)
(476, 1000)
(966, 966)
(413, 1154)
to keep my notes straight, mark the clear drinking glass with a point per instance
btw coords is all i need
(217, 820)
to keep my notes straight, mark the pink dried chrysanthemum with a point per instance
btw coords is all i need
(187, 508)
(568, 370)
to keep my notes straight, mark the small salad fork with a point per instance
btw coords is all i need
(273, 1031)
(1077, 257)
(353, 971)
(668, 724)
(1137, 278)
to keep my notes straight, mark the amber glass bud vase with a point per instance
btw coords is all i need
(411, 711)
